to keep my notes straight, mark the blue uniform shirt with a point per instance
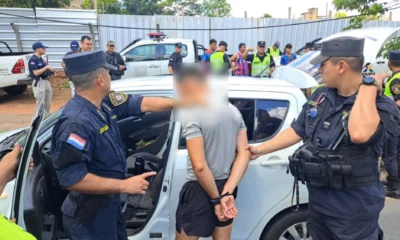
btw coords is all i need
(360, 203)
(35, 63)
(87, 140)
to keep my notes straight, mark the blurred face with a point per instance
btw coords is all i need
(87, 45)
(191, 86)
(111, 48)
(242, 49)
(41, 51)
(333, 73)
(213, 46)
(306, 50)
(178, 50)
(275, 47)
(288, 50)
(261, 50)
(104, 82)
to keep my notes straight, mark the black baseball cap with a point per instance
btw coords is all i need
(261, 43)
(223, 43)
(394, 56)
(84, 62)
(309, 45)
(178, 45)
(340, 47)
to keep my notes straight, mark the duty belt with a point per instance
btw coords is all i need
(37, 80)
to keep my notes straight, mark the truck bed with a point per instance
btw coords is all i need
(14, 53)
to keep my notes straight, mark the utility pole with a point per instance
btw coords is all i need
(95, 4)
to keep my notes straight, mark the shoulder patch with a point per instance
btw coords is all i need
(76, 141)
(395, 89)
(118, 98)
(33, 63)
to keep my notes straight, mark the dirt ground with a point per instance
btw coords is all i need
(17, 111)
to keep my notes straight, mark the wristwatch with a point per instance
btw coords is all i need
(370, 81)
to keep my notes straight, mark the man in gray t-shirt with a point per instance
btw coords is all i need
(215, 140)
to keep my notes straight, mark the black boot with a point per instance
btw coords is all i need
(392, 187)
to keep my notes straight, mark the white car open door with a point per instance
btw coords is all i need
(17, 210)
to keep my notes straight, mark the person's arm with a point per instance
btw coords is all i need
(272, 62)
(268, 51)
(283, 60)
(34, 66)
(240, 164)
(226, 61)
(171, 64)
(62, 64)
(247, 52)
(120, 62)
(364, 118)
(233, 58)
(195, 146)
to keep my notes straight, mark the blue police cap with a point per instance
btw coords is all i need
(74, 45)
(394, 56)
(340, 47)
(84, 62)
(37, 45)
(178, 45)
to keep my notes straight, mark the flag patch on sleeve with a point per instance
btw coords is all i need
(76, 141)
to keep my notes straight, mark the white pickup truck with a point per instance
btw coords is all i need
(150, 57)
(14, 73)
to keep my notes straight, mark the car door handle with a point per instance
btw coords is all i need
(380, 62)
(153, 66)
(269, 163)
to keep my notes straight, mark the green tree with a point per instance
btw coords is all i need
(35, 3)
(370, 10)
(340, 15)
(104, 6)
(181, 7)
(143, 7)
(267, 15)
(210, 8)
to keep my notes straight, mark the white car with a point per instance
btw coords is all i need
(150, 57)
(264, 197)
(14, 71)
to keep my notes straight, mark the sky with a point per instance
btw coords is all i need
(279, 8)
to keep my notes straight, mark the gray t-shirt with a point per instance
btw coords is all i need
(219, 140)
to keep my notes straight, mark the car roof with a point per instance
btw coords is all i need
(167, 40)
(165, 83)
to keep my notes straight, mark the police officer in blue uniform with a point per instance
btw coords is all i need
(343, 126)
(175, 60)
(87, 151)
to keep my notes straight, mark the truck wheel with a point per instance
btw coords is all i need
(15, 90)
(291, 226)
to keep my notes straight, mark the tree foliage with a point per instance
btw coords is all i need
(181, 7)
(209, 8)
(143, 7)
(267, 15)
(340, 15)
(35, 3)
(105, 6)
(370, 10)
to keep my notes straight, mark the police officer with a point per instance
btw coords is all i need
(308, 47)
(343, 127)
(115, 59)
(262, 64)
(392, 159)
(40, 72)
(74, 45)
(87, 151)
(219, 61)
(175, 60)
(274, 50)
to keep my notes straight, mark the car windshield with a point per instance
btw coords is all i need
(303, 63)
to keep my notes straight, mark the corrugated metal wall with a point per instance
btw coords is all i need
(297, 35)
(57, 36)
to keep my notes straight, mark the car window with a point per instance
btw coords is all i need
(141, 53)
(170, 48)
(271, 115)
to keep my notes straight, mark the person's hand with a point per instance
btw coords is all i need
(121, 68)
(49, 68)
(137, 184)
(219, 213)
(251, 49)
(255, 152)
(228, 206)
(9, 163)
(379, 78)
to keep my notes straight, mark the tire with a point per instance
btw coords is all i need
(15, 90)
(290, 226)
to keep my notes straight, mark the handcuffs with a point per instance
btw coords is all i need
(217, 201)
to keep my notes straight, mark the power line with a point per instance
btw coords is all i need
(192, 29)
